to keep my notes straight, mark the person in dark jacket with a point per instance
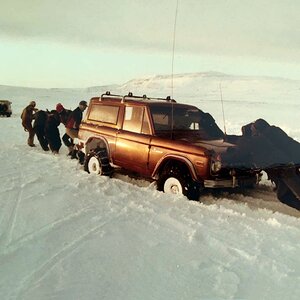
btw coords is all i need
(39, 127)
(72, 125)
(27, 117)
(74, 120)
(52, 132)
(64, 115)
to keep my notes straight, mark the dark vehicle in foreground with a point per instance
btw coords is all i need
(5, 108)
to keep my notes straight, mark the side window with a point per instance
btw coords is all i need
(145, 126)
(135, 120)
(104, 113)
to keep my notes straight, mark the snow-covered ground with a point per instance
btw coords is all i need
(65, 234)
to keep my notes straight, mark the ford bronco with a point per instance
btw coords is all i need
(177, 145)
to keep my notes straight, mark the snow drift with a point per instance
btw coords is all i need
(68, 235)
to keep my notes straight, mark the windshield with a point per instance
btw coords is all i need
(188, 119)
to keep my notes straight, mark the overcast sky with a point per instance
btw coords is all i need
(76, 43)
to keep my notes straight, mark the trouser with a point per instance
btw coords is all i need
(40, 133)
(31, 133)
(68, 141)
(31, 137)
(53, 137)
(73, 133)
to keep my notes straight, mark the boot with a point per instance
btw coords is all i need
(80, 156)
(70, 148)
(30, 141)
(74, 154)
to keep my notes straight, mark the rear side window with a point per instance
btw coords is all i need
(104, 113)
(135, 120)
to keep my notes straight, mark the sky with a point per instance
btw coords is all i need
(74, 43)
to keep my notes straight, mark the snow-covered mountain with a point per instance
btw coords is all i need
(205, 90)
(65, 234)
(206, 86)
(198, 86)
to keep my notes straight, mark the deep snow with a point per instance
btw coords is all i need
(65, 234)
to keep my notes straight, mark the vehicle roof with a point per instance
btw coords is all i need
(138, 100)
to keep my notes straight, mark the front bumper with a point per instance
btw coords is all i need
(225, 183)
(232, 182)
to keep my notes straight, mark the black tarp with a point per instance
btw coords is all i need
(269, 148)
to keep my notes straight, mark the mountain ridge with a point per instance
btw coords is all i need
(199, 75)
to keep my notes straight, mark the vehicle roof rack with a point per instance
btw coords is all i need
(130, 96)
(109, 95)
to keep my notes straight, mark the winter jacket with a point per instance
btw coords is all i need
(27, 116)
(39, 127)
(74, 119)
(64, 116)
(52, 132)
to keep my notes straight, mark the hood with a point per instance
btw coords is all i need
(218, 146)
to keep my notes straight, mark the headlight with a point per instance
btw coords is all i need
(216, 166)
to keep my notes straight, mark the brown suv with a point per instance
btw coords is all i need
(175, 144)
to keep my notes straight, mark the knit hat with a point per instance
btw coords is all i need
(83, 103)
(59, 107)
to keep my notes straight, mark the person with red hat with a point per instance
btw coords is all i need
(59, 107)
(64, 115)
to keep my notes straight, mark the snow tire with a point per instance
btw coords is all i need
(97, 162)
(176, 181)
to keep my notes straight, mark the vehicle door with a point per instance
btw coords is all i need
(133, 140)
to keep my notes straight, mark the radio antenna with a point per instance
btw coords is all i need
(172, 76)
(173, 52)
(220, 85)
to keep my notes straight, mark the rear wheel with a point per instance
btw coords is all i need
(97, 162)
(94, 166)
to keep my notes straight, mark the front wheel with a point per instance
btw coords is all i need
(172, 182)
(173, 186)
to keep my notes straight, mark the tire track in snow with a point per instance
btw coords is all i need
(261, 197)
(7, 236)
(18, 243)
(13, 216)
(38, 274)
